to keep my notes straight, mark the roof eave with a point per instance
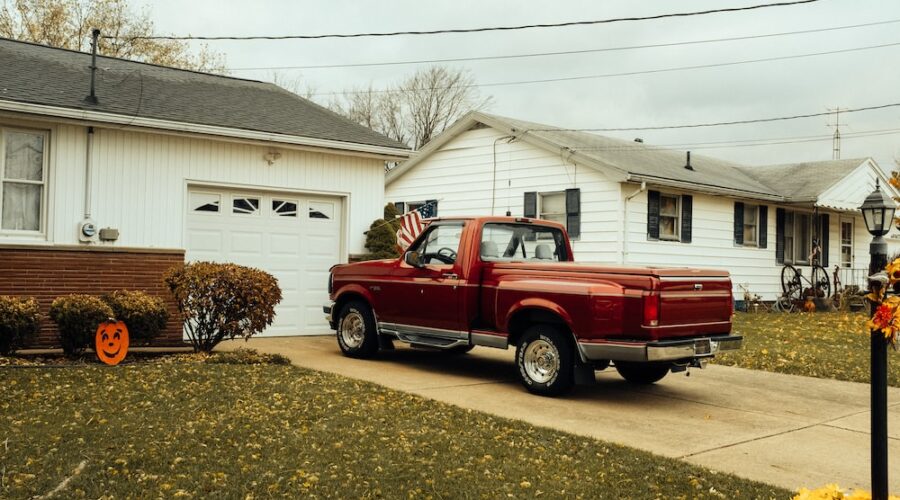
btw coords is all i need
(704, 188)
(127, 121)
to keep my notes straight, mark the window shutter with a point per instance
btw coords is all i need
(763, 226)
(530, 205)
(573, 212)
(823, 241)
(653, 215)
(432, 207)
(779, 235)
(687, 208)
(738, 223)
(401, 207)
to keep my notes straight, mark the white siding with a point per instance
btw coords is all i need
(460, 176)
(139, 182)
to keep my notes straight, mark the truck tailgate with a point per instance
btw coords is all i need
(690, 305)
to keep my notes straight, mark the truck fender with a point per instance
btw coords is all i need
(345, 293)
(538, 303)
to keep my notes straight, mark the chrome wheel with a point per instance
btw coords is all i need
(353, 330)
(541, 361)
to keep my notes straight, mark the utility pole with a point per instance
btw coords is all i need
(836, 139)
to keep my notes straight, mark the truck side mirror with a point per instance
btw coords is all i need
(413, 259)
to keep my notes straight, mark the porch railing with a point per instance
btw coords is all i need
(851, 276)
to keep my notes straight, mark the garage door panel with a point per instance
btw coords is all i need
(295, 238)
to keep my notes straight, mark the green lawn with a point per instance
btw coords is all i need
(824, 345)
(190, 429)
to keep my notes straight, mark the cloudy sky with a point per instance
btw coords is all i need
(735, 92)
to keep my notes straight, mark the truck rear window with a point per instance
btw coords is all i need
(505, 242)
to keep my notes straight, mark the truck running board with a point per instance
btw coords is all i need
(424, 337)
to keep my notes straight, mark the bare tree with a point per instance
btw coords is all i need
(295, 84)
(418, 108)
(68, 24)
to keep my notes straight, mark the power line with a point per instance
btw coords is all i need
(713, 124)
(615, 75)
(465, 30)
(565, 52)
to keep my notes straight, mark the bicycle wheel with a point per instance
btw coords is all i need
(820, 282)
(783, 304)
(790, 282)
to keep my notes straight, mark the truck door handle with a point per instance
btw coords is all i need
(450, 276)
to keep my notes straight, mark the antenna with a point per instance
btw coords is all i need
(836, 139)
(92, 97)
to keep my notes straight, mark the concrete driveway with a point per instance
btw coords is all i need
(780, 429)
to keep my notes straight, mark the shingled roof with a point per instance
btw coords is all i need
(37, 74)
(804, 182)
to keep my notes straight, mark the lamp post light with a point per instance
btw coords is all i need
(878, 213)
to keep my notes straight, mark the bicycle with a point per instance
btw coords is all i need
(796, 287)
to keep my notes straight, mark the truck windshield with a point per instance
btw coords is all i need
(515, 242)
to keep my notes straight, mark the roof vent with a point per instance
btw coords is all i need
(638, 139)
(688, 164)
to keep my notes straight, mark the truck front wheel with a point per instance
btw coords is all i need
(356, 330)
(642, 373)
(545, 360)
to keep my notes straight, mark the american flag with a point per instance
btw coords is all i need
(411, 227)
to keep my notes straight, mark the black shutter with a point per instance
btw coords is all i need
(530, 205)
(401, 207)
(823, 241)
(573, 212)
(738, 223)
(779, 235)
(763, 226)
(432, 204)
(653, 215)
(687, 209)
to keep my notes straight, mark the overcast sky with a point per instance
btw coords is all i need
(798, 86)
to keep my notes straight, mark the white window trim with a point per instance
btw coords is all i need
(808, 245)
(677, 236)
(540, 207)
(841, 222)
(45, 182)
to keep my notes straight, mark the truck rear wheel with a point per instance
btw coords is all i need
(357, 334)
(545, 360)
(642, 373)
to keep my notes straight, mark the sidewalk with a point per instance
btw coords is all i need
(780, 429)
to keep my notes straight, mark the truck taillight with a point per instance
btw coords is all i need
(330, 283)
(651, 310)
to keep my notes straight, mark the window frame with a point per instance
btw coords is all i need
(541, 213)
(841, 243)
(751, 208)
(805, 249)
(422, 240)
(677, 224)
(43, 218)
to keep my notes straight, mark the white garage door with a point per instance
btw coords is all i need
(295, 238)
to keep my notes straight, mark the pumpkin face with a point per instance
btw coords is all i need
(111, 342)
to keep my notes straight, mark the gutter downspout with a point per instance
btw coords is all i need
(494, 178)
(89, 152)
(628, 198)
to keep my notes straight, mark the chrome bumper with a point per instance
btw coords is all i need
(660, 350)
(328, 309)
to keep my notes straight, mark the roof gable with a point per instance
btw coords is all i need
(37, 74)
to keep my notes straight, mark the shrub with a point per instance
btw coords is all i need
(222, 301)
(77, 318)
(381, 241)
(144, 315)
(391, 214)
(20, 320)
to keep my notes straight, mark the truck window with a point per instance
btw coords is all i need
(516, 242)
(440, 244)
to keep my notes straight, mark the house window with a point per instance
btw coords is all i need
(846, 243)
(751, 225)
(669, 217)
(427, 209)
(246, 206)
(321, 210)
(284, 208)
(205, 202)
(553, 207)
(22, 180)
(797, 239)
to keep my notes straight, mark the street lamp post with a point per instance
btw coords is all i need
(878, 213)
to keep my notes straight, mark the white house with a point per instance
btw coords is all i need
(630, 203)
(169, 165)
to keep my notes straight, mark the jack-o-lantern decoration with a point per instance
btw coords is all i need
(111, 342)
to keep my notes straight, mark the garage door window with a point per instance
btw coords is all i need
(284, 208)
(247, 206)
(321, 210)
(205, 202)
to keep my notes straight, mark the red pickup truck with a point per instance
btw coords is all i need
(501, 281)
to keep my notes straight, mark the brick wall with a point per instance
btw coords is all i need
(46, 272)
